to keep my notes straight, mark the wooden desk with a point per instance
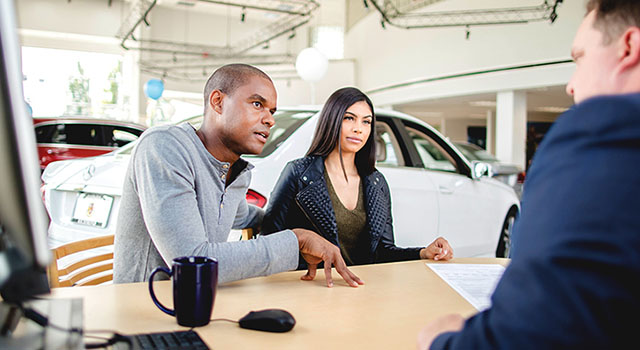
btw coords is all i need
(397, 300)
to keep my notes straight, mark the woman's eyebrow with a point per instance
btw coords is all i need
(353, 114)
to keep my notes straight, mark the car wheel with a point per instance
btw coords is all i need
(504, 244)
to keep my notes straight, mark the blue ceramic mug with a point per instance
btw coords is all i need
(195, 279)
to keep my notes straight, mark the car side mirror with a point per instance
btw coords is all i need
(480, 170)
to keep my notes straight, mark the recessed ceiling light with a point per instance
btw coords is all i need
(482, 103)
(551, 109)
(430, 114)
(186, 3)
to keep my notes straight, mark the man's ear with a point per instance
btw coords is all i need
(629, 49)
(215, 100)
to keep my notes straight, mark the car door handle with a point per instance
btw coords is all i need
(445, 190)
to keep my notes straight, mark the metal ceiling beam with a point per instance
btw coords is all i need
(286, 7)
(197, 71)
(398, 7)
(296, 13)
(396, 16)
(162, 65)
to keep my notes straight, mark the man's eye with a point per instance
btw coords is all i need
(257, 104)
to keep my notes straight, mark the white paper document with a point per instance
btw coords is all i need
(475, 282)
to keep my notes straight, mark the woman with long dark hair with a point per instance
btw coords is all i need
(336, 191)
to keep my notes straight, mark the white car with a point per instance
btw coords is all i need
(510, 174)
(435, 190)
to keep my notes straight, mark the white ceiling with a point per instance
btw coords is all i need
(543, 103)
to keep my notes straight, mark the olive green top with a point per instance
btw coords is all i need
(354, 242)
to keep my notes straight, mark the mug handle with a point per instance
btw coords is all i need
(153, 295)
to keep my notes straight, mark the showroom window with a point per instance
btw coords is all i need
(82, 83)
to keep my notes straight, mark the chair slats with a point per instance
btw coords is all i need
(77, 246)
(85, 262)
(247, 234)
(83, 271)
(72, 279)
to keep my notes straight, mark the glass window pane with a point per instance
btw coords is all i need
(120, 138)
(387, 149)
(83, 134)
(432, 155)
(44, 133)
(286, 123)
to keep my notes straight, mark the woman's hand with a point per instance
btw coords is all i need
(438, 250)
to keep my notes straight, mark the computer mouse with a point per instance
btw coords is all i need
(269, 320)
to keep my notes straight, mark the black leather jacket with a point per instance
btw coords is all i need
(300, 199)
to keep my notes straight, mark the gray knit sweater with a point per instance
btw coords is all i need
(175, 203)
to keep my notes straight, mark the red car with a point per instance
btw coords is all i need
(67, 138)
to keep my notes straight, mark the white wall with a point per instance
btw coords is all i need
(456, 128)
(392, 56)
(339, 74)
(64, 17)
(87, 25)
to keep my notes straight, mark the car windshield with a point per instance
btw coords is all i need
(473, 152)
(286, 123)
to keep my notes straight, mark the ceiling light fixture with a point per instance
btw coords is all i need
(482, 103)
(551, 109)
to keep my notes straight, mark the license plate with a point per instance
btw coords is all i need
(92, 209)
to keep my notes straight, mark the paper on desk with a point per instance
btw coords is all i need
(475, 282)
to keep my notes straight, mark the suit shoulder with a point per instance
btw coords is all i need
(622, 102)
(607, 110)
(599, 117)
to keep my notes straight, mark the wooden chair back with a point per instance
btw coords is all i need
(83, 271)
(247, 234)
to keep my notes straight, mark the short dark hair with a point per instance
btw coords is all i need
(327, 134)
(613, 17)
(229, 77)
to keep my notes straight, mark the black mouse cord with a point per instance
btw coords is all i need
(43, 321)
(223, 319)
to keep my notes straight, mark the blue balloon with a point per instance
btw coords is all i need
(154, 88)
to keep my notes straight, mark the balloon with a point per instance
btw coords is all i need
(154, 88)
(311, 64)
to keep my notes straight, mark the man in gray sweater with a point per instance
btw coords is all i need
(185, 190)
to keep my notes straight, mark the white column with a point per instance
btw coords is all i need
(491, 128)
(131, 84)
(511, 127)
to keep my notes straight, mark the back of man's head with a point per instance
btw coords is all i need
(230, 77)
(614, 16)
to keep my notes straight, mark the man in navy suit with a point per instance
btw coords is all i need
(574, 279)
